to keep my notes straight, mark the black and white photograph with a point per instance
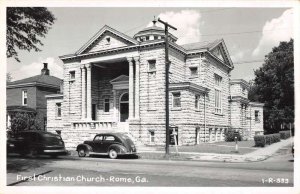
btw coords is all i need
(167, 96)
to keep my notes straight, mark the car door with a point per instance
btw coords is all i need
(98, 144)
(107, 141)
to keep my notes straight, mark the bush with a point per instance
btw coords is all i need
(229, 136)
(276, 137)
(262, 140)
(284, 134)
(23, 121)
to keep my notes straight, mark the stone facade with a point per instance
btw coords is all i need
(117, 83)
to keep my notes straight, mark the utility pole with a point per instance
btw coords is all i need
(167, 26)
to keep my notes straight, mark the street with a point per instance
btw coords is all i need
(102, 171)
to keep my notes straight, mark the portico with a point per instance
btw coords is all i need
(125, 82)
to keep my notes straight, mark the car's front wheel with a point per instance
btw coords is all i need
(81, 152)
(113, 154)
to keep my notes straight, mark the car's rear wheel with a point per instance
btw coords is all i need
(113, 154)
(81, 152)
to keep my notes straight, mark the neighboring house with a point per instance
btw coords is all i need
(28, 95)
(117, 83)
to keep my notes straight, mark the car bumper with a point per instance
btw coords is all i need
(56, 152)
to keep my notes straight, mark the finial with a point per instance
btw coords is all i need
(154, 21)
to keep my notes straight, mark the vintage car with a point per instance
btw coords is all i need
(111, 144)
(34, 143)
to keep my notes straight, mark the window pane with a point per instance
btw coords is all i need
(109, 138)
(196, 102)
(176, 100)
(106, 105)
(152, 65)
(58, 107)
(194, 71)
(125, 98)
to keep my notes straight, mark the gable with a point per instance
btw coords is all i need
(107, 41)
(106, 38)
(219, 50)
(218, 53)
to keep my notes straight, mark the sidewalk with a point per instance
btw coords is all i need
(257, 155)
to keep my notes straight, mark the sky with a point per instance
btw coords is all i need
(249, 33)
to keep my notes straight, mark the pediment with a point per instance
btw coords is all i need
(120, 82)
(220, 51)
(121, 78)
(106, 38)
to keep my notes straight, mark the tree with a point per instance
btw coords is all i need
(274, 86)
(8, 77)
(25, 25)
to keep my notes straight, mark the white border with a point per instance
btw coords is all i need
(133, 3)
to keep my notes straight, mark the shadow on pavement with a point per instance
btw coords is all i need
(125, 157)
(17, 163)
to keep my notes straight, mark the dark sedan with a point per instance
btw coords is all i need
(36, 143)
(111, 144)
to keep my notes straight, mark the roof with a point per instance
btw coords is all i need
(156, 28)
(20, 109)
(201, 45)
(38, 79)
(240, 81)
(100, 33)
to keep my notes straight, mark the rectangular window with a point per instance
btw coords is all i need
(176, 100)
(218, 94)
(197, 97)
(58, 110)
(72, 75)
(152, 136)
(24, 97)
(152, 65)
(106, 105)
(194, 71)
(256, 114)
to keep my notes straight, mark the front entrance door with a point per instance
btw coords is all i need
(124, 107)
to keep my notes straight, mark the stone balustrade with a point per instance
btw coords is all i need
(97, 125)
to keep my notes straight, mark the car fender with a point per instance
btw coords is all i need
(86, 146)
(119, 148)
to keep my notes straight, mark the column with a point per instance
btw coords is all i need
(131, 89)
(137, 87)
(89, 92)
(83, 92)
(115, 105)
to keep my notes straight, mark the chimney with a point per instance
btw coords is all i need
(45, 70)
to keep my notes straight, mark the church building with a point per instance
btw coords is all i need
(117, 83)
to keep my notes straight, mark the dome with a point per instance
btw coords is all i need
(152, 33)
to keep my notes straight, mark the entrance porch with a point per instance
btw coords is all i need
(109, 94)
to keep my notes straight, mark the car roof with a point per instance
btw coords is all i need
(113, 133)
(36, 131)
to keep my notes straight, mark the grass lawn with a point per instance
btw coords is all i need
(217, 147)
